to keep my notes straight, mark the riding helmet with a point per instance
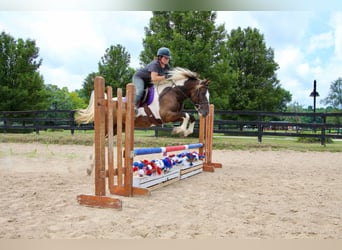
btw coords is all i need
(163, 51)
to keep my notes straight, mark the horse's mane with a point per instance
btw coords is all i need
(179, 73)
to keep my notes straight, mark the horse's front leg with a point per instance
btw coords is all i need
(184, 129)
(190, 129)
(191, 122)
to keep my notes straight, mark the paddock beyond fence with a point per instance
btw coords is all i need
(233, 123)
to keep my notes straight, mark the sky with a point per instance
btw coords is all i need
(307, 44)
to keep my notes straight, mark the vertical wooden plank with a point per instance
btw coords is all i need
(129, 138)
(207, 134)
(209, 131)
(99, 127)
(119, 137)
(110, 135)
(201, 134)
(209, 165)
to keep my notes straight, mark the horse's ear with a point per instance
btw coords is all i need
(205, 81)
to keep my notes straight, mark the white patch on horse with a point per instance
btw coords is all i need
(207, 95)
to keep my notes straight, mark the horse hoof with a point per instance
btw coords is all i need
(176, 130)
(186, 134)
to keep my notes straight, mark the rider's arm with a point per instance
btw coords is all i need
(156, 78)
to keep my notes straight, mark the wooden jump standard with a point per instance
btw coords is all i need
(120, 175)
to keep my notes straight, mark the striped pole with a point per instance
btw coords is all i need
(146, 151)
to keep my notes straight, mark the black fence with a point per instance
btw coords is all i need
(259, 124)
(232, 123)
(39, 120)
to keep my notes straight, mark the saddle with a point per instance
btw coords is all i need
(147, 96)
(146, 101)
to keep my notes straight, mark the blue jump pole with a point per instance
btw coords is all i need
(146, 151)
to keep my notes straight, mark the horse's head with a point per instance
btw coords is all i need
(199, 95)
(193, 88)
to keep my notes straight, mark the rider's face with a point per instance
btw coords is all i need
(165, 60)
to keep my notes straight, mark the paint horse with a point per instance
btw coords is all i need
(164, 103)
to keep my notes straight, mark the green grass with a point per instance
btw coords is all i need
(49, 137)
(147, 139)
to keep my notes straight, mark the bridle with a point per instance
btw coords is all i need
(197, 106)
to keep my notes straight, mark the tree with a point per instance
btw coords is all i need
(195, 42)
(192, 36)
(76, 101)
(62, 98)
(21, 85)
(254, 84)
(88, 86)
(114, 67)
(58, 98)
(334, 97)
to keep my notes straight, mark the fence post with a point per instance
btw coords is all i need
(259, 129)
(324, 121)
(36, 124)
(72, 119)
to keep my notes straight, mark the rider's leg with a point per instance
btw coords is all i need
(139, 91)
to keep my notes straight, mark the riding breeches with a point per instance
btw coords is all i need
(139, 89)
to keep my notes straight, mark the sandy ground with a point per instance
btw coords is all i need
(256, 195)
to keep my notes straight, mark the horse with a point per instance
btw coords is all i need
(165, 104)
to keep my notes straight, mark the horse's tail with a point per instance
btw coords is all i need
(84, 116)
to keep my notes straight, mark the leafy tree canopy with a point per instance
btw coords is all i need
(21, 85)
(114, 67)
(239, 65)
(254, 85)
(62, 98)
(334, 97)
(195, 41)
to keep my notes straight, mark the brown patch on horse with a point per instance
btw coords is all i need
(151, 116)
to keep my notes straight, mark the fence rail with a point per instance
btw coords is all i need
(39, 120)
(234, 123)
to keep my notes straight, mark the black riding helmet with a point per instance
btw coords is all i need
(163, 51)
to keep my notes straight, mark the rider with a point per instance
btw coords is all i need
(155, 71)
